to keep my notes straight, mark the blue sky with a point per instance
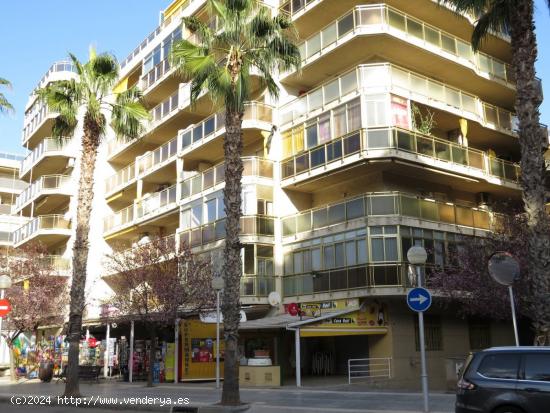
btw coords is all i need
(35, 33)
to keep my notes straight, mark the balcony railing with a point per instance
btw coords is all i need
(120, 178)
(196, 134)
(163, 109)
(44, 183)
(347, 278)
(57, 263)
(385, 77)
(382, 18)
(215, 175)
(157, 203)
(11, 156)
(47, 145)
(260, 225)
(43, 222)
(156, 73)
(377, 204)
(34, 120)
(257, 286)
(152, 160)
(383, 139)
(61, 66)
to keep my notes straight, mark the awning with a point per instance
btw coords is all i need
(268, 323)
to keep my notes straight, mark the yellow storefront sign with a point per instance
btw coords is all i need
(198, 361)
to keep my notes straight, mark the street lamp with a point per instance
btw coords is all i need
(417, 256)
(5, 283)
(504, 269)
(217, 285)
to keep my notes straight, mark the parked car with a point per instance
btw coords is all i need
(505, 380)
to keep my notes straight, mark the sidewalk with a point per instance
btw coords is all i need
(344, 398)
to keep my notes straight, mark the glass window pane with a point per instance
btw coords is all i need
(414, 28)
(336, 214)
(332, 91)
(345, 24)
(382, 205)
(339, 121)
(324, 128)
(328, 257)
(339, 255)
(298, 262)
(377, 249)
(500, 366)
(537, 367)
(391, 249)
(312, 138)
(351, 253)
(349, 82)
(316, 259)
(354, 115)
(362, 256)
(355, 209)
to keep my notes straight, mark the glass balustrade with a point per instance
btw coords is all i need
(11, 156)
(153, 76)
(32, 121)
(391, 78)
(163, 109)
(120, 178)
(160, 155)
(365, 140)
(196, 134)
(215, 175)
(119, 218)
(45, 146)
(46, 182)
(382, 18)
(44, 222)
(157, 202)
(257, 286)
(57, 263)
(386, 204)
(261, 225)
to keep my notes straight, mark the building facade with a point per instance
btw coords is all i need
(394, 133)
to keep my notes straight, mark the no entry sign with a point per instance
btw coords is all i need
(5, 307)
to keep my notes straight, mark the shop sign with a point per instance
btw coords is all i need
(211, 317)
(5, 307)
(317, 309)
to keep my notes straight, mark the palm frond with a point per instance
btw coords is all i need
(5, 105)
(128, 114)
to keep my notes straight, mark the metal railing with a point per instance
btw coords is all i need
(61, 66)
(43, 222)
(383, 18)
(261, 225)
(402, 140)
(196, 134)
(153, 159)
(386, 77)
(369, 368)
(11, 156)
(375, 204)
(252, 166)
(164, 108)
(45, 146)
(35, 117)
(46, 182)
(120, 178)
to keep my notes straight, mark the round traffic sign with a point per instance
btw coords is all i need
(5, 307)
(419, 299)
(293, 309)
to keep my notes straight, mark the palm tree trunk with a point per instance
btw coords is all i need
(533, 145)
(90, 144)
(232, 266)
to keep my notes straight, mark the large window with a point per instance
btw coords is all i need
(384, 243)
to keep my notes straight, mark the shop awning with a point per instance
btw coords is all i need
(268, 323)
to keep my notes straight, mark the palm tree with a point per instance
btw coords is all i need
(515, 17)
(90, 94)
(219, 62)
(5, 106)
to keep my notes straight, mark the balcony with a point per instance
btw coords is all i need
(53, 149)
(214, 176)
(398, 143)
(257, 286)
(120, 179)
(198, 142)
(56, 188)
(48, 229)
(150, 207)
(380, 205)
(154, 160)
(381, 78)
(251, 225)
(407, 41)
(59, 264)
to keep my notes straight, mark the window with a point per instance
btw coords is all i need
(480, 335)
(432, 333)
(537, 367)
(249, 259)
(500, 366)
(383, 244)
(210, 211)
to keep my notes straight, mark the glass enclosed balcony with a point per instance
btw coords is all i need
(252, 225)
(121, 178)
(377, 142)
(380, 18)
(258, 286)
(53, 227)
(381, 204)
(58, 263)
(383, 78)
(163, 154)
(197, 135)
(44, 185)
(215, 175)
(46, 147)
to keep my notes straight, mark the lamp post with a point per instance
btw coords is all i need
(217, 285)
(504, 269)
(417, 256)
(5, 283)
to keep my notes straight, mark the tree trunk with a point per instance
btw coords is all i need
(152, 352)
(13, 367)
(90, 144)
(232, 266)
(533, 145)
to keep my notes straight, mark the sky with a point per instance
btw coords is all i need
(36, 33)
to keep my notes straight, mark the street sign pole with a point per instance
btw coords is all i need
(423, 371)
(514, 314)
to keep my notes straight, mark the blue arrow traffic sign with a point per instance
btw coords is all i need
(419, 299)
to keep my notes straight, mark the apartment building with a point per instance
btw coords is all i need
(394, 133)
(10, 187)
